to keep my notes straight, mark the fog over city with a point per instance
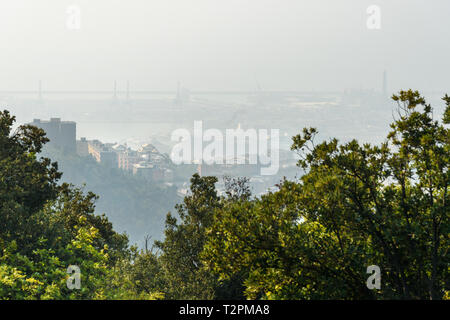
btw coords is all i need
(129, 73)
(223, 45)
(227, 155)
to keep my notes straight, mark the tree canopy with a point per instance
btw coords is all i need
(357, 205)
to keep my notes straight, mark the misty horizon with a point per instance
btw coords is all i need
(224, 46)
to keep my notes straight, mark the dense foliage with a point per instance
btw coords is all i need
(355, 206)
(46, 227)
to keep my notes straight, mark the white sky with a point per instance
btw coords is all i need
(224, 44)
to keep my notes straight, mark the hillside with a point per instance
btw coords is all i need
(133, 204)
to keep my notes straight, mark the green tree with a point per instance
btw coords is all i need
(45, 227)
(186, 279)
(184, 273)
(26, 182)
(357, 205)
(139, 277)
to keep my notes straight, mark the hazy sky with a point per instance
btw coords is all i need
(224, 44)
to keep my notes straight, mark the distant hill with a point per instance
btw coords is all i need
(133, 204)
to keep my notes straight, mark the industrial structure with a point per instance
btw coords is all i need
(62, 134)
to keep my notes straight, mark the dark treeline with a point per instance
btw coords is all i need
(357, 205)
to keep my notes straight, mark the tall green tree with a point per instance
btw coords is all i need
(184, 272)
(45, 227)
(186, 278)
(26, 182)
